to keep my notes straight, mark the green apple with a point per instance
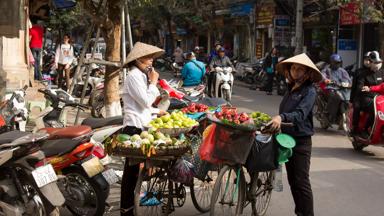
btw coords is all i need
(151, 138)
(165, 118)
(144, 134)
(135, 138)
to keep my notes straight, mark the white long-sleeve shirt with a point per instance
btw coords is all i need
(64, 54)
(138, 98)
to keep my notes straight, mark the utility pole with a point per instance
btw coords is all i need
(299, 27)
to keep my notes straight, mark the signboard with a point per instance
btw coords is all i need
(282, 31)
(347, 49)
(265, 14)
(349, 14)
(242, 9)
(282, 20)
(259, 49)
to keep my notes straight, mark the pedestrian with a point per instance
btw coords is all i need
(193, 71)
(36, 35)
(296, 107)
(139, 93)
(63, 59)
(199, 54)
(269, 67)
(178, 54)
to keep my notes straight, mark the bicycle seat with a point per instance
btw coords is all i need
(102, 122)
(67, 132)
(11, 136)
(59, 147)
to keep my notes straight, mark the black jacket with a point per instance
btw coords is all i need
(296, 107)
(368, 78)
(354, 90)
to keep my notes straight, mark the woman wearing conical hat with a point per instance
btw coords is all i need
(296, 107)
(139, 93)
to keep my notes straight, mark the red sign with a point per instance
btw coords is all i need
(349, 14)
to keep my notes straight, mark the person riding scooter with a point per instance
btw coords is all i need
(364, 100)
(221, 60)
(337, 80)
(193, 71)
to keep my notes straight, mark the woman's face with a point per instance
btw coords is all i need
(298, 71)
(66, 39)
(145, 62)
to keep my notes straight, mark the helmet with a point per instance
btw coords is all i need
(374, 57)
(366, 55)
(335, 58)
(221, 49)
(197, 48)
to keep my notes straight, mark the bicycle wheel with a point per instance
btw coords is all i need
(262, 192)
(229, 192)
(201, 191)
(151, 193)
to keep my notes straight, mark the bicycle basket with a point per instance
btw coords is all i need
(231, 144)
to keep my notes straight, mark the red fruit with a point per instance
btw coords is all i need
(192, 109)
(237, 122)
(184, 110)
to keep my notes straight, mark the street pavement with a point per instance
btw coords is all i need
(344, 182)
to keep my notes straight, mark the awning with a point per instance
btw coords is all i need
(63, 4)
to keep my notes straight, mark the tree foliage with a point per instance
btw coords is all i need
(65, 20)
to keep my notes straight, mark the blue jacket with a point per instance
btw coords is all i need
(296, 107)
(192, 74)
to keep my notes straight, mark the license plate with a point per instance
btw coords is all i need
(93, 167)
(110, 176)
(44, 175)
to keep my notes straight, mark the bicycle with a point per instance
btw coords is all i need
(232, 192)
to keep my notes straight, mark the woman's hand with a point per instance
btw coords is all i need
(275, 123)
(153, 76)
(162, 112)
(365, 89)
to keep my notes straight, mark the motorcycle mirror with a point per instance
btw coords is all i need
(25, 87)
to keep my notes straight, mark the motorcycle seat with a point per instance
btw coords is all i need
(67, 132)
(59, 147)
(102, 122)
(11, 136)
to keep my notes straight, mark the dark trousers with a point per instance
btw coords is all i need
(366, 105)
(63, 77)
(269, 84)
(128, 184)
(298, 176)
(211, 83)
(36, 52)
(333, 106)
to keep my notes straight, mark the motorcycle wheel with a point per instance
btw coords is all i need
(227, 95)
(93, 203)
(358, 146)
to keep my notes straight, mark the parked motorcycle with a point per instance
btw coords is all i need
(321, 103)
(95, 81)
(13, 111)
(176, 68)
(24, 188)
(84, 181)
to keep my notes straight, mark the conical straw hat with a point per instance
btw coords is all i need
(142, 49)
(302, 59)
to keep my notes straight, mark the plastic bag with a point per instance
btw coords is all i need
(208, 145)
(183, 172)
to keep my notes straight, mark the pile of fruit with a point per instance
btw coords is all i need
(148, 142)
(195, 108)
(260, 118)
(231, 116)
(175, 120)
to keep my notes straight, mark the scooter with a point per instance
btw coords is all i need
(24, 188)
(321, 102)
(224, 83)
(84, 181)
(95, 81)
(376, 131)
(177, 69)
(13, 111)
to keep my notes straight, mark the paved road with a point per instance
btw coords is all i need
(345, 182)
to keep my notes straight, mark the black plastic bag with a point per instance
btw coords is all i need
(263, 155)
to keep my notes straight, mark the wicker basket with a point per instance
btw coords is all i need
(135, 152)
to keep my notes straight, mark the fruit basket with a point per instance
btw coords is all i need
(148, 144)
(173, 124)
